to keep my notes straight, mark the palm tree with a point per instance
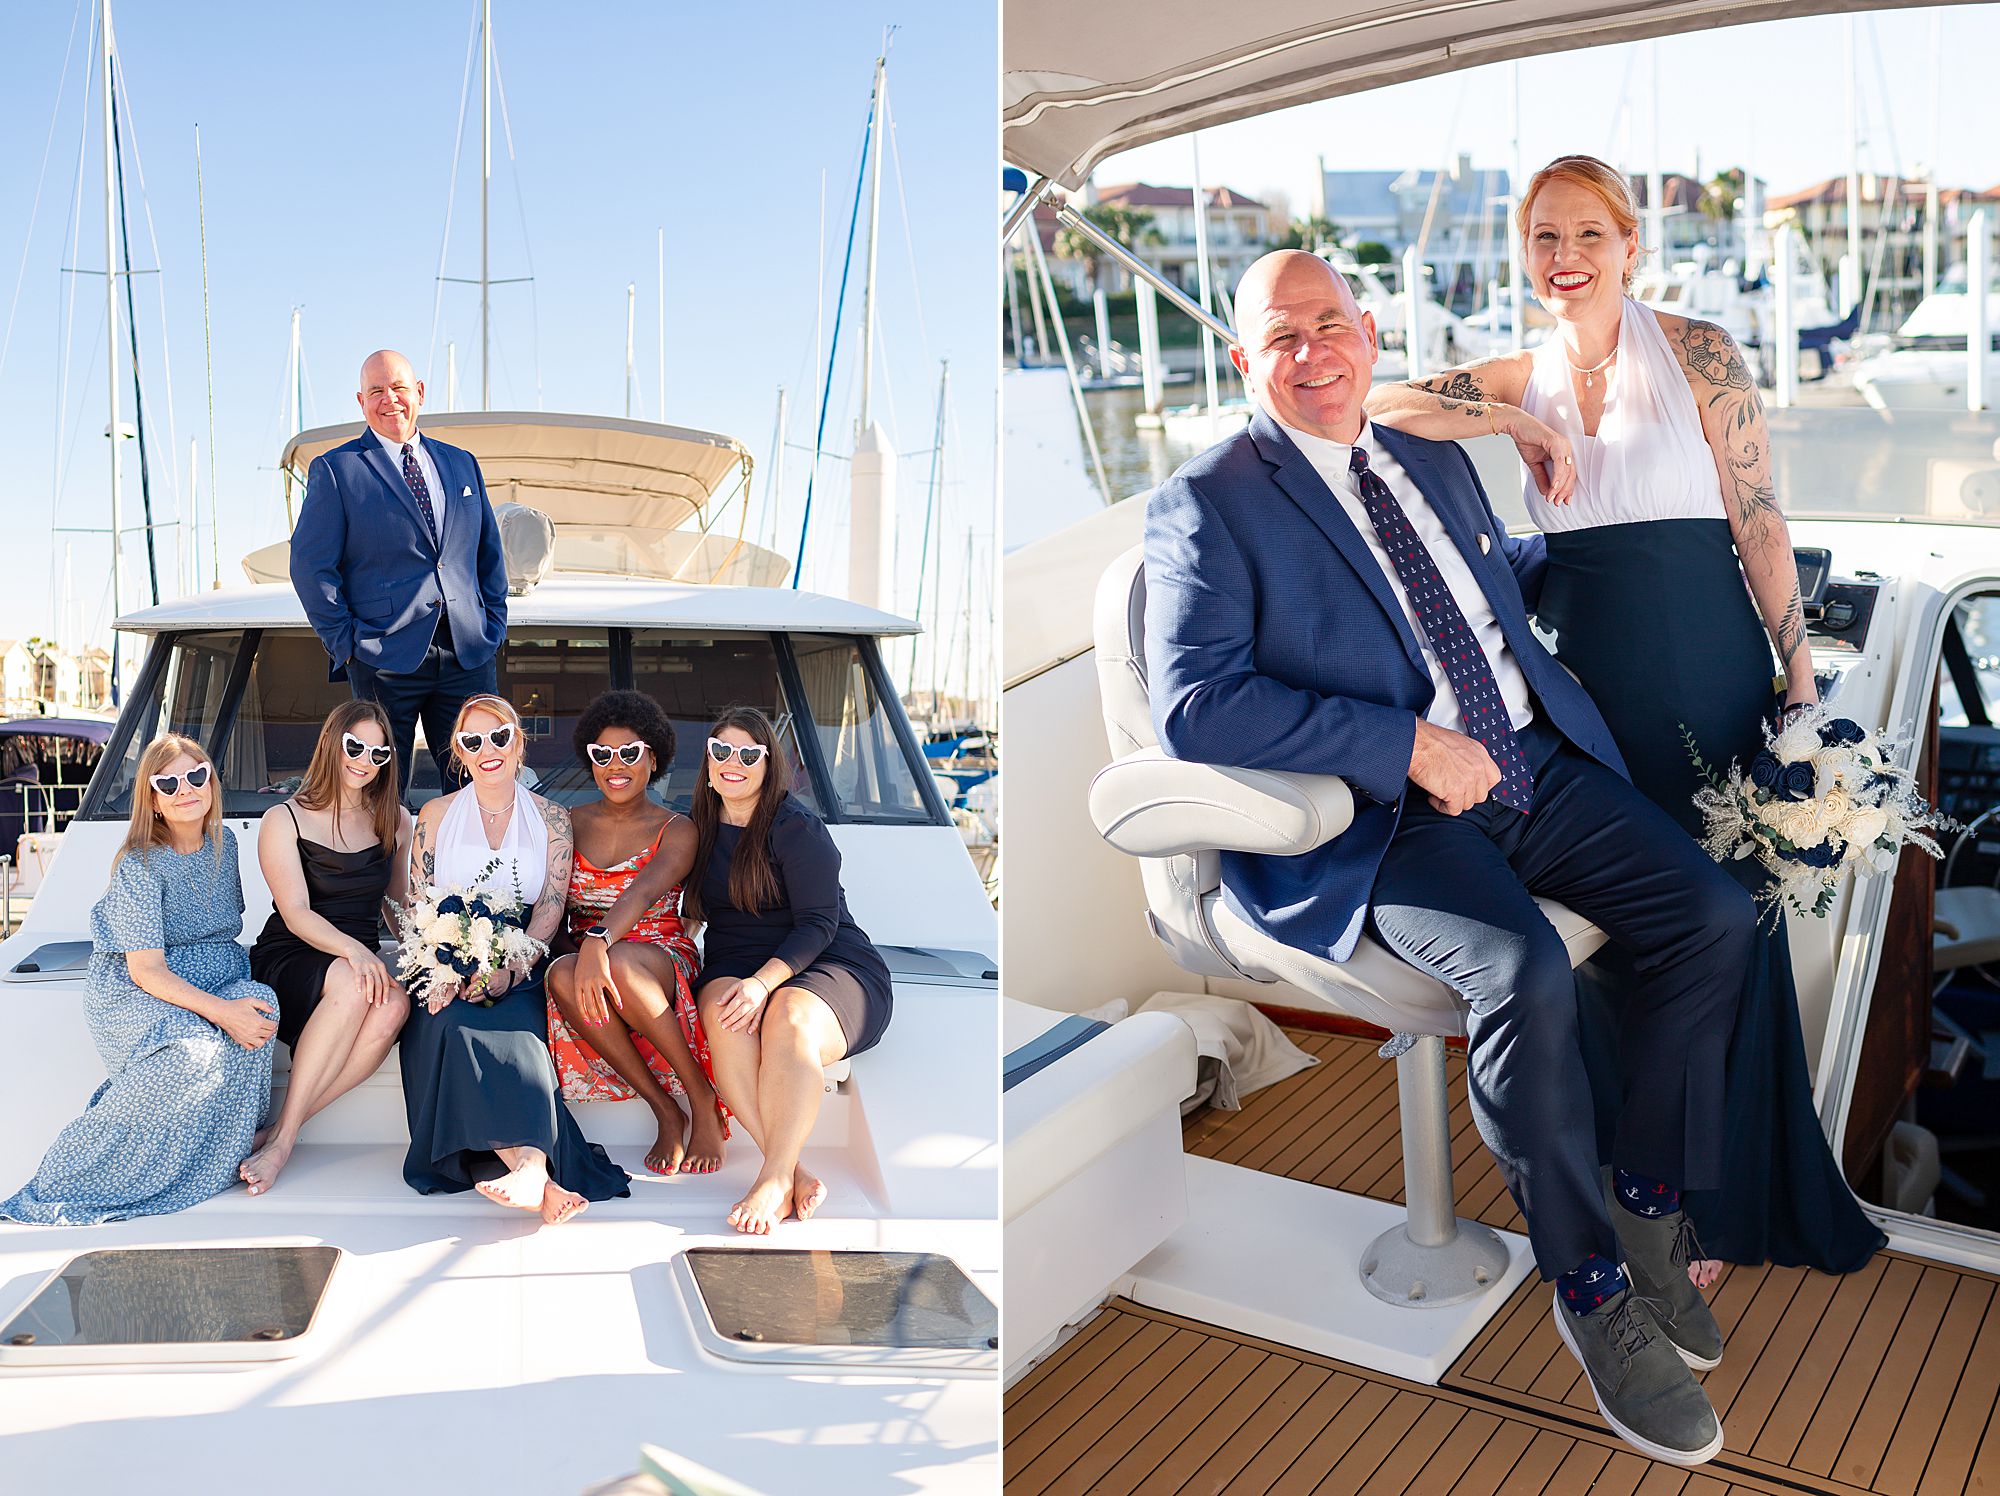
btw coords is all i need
(1313, 234)
(1131, 227)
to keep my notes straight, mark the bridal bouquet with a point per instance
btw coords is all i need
(1824, 797)
(453, 937)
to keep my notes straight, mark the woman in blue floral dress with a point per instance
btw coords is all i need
(184, 1031)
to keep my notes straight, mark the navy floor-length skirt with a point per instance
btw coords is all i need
(1656, 621)
(476, 1079)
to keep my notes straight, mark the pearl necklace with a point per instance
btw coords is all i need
(1590, 373)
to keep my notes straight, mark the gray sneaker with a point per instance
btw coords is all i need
(1657, 1252)
(1643, 1389)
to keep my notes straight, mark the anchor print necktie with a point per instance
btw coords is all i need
(414, 476)
(1451, 637)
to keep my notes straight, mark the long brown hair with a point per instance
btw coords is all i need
(753, 880)
(148, 828)
(321, 789)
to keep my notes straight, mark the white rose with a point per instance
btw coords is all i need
(480, 935)
(1865, 827)
(421, 914)
(1798, 741)
(442, 930)
(1834, 766)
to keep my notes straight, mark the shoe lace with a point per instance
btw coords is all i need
(1627, 1330)
(1687, 1249)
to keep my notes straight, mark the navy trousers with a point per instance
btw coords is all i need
(435, 690)
(1454, 898)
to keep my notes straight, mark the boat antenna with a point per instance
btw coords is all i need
(208, 343)
(111, 346)
(930, 506)
(833, 350)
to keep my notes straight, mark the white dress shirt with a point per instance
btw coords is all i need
(1330, 460)
(425, 464)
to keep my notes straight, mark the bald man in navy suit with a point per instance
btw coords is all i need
(397, 559)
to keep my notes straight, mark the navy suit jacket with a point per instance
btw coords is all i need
(370, 576)
(1274, 641)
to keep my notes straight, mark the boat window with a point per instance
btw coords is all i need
(185, 698)
(693, 679)
(286, 697)
(550, 677)
(872, 776)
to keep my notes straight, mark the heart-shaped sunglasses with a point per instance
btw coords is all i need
(747, 754)
(601, 754)
(169, 784)
(353, 747)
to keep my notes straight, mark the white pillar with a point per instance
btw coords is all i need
(1103, 309)
(871, 577)
(1413, 322)
(1978, 334)
(1200, 201)
(1785, 346)
(1154, 386)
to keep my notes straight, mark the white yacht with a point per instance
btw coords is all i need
(1929, 368)
(1213, 1303)
(341, 1333)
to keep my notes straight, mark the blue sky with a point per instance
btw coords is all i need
(1772, 95)
(327, 156)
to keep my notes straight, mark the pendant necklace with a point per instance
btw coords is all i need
(1590, 373)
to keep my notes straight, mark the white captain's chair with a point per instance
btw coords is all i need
(1175, 817)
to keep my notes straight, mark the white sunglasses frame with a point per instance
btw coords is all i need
(206, 771)
(479, 740)
(354, 748)
(735, 751)
(616, 754)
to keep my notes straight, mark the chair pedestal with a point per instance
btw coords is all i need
(1434, 1258)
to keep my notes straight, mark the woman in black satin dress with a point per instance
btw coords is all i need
(331, 854)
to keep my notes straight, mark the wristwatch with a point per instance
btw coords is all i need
(599, 931)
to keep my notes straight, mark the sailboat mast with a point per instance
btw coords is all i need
(485, 184)
(868, 284)
(111, 344)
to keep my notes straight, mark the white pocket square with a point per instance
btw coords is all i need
(466, 493)
(1485, 545)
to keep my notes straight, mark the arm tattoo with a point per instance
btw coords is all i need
(1716, 369)
(1462, 388)
(1790, 633)
(547, 913)
(423, 861)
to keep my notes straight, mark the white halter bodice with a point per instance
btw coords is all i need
(1649, 459)
(523, 854)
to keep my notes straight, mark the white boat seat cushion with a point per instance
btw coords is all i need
(1149, 805)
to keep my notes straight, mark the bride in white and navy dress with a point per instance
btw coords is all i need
(484, 1105)
(1651, 477)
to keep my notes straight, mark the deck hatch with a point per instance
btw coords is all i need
(168, 1304)
(851, 1310)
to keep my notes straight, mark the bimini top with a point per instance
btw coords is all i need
(565, 601)
(1082, 82)
(628, 498)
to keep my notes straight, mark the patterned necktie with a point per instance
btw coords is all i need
(1452, 640)
(414, 476)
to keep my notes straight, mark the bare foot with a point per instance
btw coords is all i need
(260, 1170)
(668, 1150)
(520, 1190)
(808, 1191)
(559, 1204)
(769, 1202)
(1704, 1271)
(262, 1136)
(705, 1144)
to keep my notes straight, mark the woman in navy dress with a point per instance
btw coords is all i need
(484, 1105)
(341, 846)
(1670, 579)
(184, 1031)
(789, 983)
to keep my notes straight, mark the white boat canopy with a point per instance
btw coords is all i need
(627, 498)
(1082, 82)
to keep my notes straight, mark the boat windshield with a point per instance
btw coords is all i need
(256, 700)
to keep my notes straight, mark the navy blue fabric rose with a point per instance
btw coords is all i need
(1825, 855)
(1841, 730)
(1764, 771)
(451, 903)
(1795, 782)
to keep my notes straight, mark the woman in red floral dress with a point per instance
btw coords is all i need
(622, 1019)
